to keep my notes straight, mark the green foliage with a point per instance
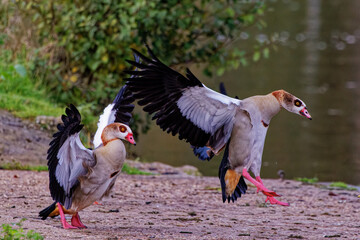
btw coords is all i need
(81, 46)
(342, 185)
(15, 231)
(308, 180)
(76, 50)
(19, 93)
(133, 171)
(315, 180)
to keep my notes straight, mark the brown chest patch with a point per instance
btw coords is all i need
(265, 124)
(114, 174)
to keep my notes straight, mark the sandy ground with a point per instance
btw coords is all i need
(171, 205)
(186, 207)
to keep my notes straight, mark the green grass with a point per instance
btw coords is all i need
(308, 180)
(20, 95)
(18, 166)
(315, 180)
(133, 171)
(342, 185)
(25, 97)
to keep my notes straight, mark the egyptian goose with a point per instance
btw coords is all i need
(184, 106)
(80, 176)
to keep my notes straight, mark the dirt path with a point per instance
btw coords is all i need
(185, 207)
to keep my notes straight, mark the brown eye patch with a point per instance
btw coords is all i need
(122, 129)
(297, 103)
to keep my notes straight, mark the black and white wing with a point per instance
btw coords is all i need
(205, 153)
(182, 105)
(118, 111)
(67, 158)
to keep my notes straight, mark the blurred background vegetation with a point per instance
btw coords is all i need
(58, 52)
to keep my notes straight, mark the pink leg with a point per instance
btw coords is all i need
(64, 223)
(97, 203)
(76, 222)
(272, 200)
(259, 185)
(260, 181)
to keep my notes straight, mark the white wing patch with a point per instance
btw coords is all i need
(206, 108)
(212, 112)
(105, 119)
(220, 97)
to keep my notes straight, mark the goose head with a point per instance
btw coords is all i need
(291, 103)
(115, 131)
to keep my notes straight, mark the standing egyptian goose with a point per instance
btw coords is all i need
(80, 176)
(184, 106)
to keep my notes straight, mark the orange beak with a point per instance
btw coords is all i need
(130, 138)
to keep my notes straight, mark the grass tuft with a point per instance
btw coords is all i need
(342, 185)
(39, 168)
(19, 166)
(308, 180)
(133, 171)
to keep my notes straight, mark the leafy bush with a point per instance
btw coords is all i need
(15, 231)
(76, 50)
(81, 45)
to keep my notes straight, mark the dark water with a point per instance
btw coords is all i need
(318, 60)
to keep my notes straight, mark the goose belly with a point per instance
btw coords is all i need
(241, 144)
(100, 179)
(93, 188)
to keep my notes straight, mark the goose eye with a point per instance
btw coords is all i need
(122, 129)
(297, 103)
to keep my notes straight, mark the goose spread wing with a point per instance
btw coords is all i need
(67, 158)
(182, 105)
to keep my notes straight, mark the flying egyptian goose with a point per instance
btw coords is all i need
(184, 106)
(80, 176)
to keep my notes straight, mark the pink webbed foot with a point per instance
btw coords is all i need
(64, 223)
(271, 199)
(259, 185)
(97, 203)
(76, 222)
